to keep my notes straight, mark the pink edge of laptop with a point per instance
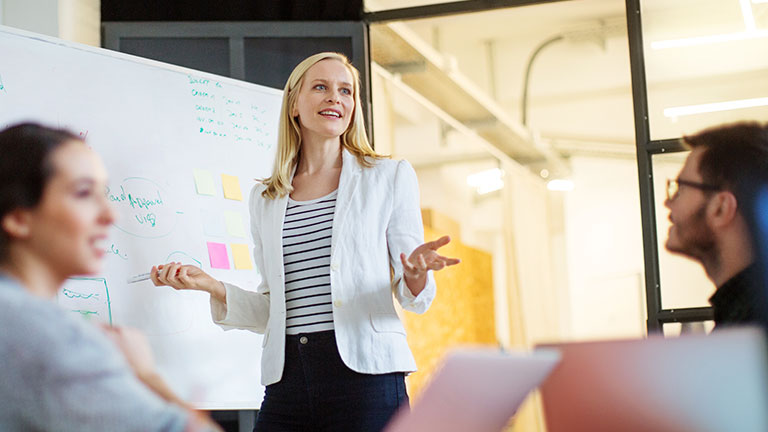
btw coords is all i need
(693, 383)
(475, 391)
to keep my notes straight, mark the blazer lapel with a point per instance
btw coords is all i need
(274, 231)
(348, 184)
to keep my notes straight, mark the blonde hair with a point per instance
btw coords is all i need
(353, 139)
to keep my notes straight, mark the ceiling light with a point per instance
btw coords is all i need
(750, 33)
(560, 185)
(487, 181)
(714, 107)
(704, 40)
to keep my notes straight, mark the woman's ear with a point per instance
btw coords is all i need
(16, 224)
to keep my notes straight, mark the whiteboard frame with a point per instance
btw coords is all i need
(131, 58)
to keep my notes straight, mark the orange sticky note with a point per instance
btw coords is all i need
(241, 256)
(231, 187)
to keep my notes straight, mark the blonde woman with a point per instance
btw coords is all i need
(327, 227)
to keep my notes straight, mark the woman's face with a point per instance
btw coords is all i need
(326, 102)
(69, 226)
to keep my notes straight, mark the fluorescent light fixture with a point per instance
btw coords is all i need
(714, 107)
(560, 185)
(750, 33)
(487, 181)
(704, 40)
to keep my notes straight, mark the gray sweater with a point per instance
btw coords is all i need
(59, 373)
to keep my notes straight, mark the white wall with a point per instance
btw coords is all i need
(74, 20)
(80, 21)
(39, 16)
(604, 249)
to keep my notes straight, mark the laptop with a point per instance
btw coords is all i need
(693, 383)
(475, 390)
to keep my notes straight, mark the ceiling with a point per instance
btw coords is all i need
(580, 86)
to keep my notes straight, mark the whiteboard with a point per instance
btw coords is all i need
(170, 138)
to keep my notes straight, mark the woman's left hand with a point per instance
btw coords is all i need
(423, 259)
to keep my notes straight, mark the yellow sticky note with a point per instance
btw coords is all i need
(231, 187)
(204, 182)
(241, 256)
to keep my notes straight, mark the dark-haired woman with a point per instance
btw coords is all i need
(58, 372)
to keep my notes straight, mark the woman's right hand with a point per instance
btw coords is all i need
(186, 277)
(135, 348)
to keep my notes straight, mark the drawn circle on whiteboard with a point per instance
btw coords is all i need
(145, 209)
(184, 258)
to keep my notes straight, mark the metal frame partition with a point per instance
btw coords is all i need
(646, 149)
(444, 9)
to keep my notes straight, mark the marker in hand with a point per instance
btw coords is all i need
(139, 278)
(142, 277)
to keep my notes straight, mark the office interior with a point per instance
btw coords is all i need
(521, 121)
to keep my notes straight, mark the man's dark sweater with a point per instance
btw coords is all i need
(740, 300)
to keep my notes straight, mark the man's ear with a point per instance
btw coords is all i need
(722, 208)
(16, 224)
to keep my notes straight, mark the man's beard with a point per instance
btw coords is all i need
(695, 238)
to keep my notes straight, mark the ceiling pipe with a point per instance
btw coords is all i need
(526, 80)
(597, 34)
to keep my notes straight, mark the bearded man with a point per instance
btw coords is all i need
(713, 210)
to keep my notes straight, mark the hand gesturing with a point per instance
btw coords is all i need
(423, 259)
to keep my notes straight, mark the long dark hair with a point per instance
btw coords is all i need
(26, 167)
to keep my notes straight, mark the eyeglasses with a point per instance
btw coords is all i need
(673, 187)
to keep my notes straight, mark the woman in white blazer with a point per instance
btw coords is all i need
(331, 230)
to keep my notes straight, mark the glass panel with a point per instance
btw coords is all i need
(205, 54)
(683, 281)
(677, 329)
(447, 89)
(705, 63)
(268, 61)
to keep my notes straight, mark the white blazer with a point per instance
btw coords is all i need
(377, 217)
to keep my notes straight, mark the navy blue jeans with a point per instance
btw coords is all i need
(318, 392)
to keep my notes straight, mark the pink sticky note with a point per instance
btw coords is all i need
(218, 254)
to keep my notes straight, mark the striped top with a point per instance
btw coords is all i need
(307, 262)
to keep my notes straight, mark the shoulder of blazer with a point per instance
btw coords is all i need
(260, 204)
(386, 167)
(255, 195)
